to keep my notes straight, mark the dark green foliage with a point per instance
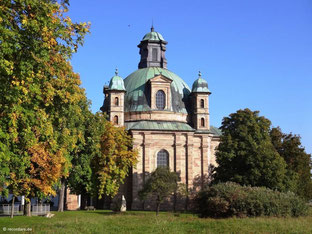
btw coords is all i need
(230, 199)
(80, 178)
(298, 161)
(161, 184)
(246, 155)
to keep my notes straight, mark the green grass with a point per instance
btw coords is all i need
(147, 222)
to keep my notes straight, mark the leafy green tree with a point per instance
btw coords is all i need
(161, 184)
(5, 156)
(298, 161)
(70, 137)
(246, 154)
(81, 174)
(40, 95)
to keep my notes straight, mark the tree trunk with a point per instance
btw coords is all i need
(27, 207)
(61, 197)
(157, 206)
(83, 201)
(174, 202)
(12, 208)
(186, 203)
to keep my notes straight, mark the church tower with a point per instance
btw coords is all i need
(200, 101)
(152, 50)
(115, 93)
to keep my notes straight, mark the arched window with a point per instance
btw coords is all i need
(163, 158)
(116, 101)
(160, 100)
(202, 122)
(202, 103)
(115, 119)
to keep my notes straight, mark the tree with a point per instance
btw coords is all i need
(103, 160)
(297, 160)
(246, 154)
(161, 184)
(40, 95)
(81, 174)
(4, 163)
(117, 156)
(72, 118)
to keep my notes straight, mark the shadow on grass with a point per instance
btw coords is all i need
(140, 213)
(106, 212)
(101, 212)
(127, 213)
(110, 212)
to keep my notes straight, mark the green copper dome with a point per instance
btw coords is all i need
(137, 97)
(200, 85)
(116, 83)
(153, 36)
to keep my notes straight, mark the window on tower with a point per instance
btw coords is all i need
(116, 101)
(154, 54)
(116, 119)
(202, 103)
(163, 158)
(202, 122)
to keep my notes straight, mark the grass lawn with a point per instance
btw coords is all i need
(146, 222)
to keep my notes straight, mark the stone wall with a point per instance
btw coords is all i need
(214, 143)
(190, 155)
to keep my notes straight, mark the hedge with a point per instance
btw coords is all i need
(231, 199)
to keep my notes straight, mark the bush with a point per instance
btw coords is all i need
(230, 199)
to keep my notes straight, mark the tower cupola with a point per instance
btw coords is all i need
(152, 50)
(200, 85)
(116, 83)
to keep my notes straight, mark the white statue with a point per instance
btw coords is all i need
(123, 206)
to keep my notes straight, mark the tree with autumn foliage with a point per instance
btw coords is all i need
(113, 163)
(41, 97)
(104, 159)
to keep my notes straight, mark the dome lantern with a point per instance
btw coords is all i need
(152, 50)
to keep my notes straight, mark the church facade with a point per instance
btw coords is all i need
(169, 122)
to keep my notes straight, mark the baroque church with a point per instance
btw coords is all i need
(169, 122)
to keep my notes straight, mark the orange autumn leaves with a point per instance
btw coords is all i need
(45, 169)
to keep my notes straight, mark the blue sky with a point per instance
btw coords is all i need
(254, 54)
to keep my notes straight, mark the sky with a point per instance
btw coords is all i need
(255, 54)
